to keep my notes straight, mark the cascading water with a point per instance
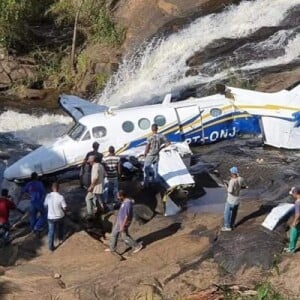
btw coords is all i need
(33, 129)
(162, 64)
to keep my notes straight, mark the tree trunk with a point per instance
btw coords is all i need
(73, 64)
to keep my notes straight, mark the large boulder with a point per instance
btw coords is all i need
(248, 247)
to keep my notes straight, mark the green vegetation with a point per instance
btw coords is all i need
(91, 18)
(16, 16)
(100, 79)
(264, 291)
(55, 34)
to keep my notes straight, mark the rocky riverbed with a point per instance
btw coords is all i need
(183, 255)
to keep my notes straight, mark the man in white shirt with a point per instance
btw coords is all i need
(56, 211)
(234, 187)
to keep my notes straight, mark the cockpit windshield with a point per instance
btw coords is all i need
(76, 132)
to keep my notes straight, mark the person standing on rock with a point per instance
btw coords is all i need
(155, 143)
(121, 226)
(57, 206)
(232, 203)
(113, 170)
(295, 226)
(38, 214)
(86, 168)
(6, 204)
(97, 185)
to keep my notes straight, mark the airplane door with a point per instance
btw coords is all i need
(190, 123)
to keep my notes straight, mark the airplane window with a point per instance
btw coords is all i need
(128, 126)
(99, 132)
(87, 136)
(144, 123)
(160, 120)
(215, 112)
(76, 132)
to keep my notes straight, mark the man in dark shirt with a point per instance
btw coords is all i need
(113, 170)
(94, 152)
(6, 204)
(122, 224)
(38, 213)
(86, 168)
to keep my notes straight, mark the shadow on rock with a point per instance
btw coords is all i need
(160, 234)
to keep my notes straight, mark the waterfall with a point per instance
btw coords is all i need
(161, 64)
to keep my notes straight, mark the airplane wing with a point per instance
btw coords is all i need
(171, 166)
(77, 107)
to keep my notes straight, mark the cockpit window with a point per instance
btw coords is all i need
(87, 136)
(99, 132)
(76, 132)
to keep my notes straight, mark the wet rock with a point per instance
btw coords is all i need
(251, 247)
(276, 81)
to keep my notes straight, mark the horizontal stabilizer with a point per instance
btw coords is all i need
(77, 107)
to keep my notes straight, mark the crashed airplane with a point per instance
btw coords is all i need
(182, 118)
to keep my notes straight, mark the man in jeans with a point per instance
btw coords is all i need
(6, 204)
(113, 170)
(155, 143)
(122, 224)
(295, 226)
(97, 185)
(232, 203)
(56, 211)
(37, 192)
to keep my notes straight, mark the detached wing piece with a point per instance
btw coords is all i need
(77, 107)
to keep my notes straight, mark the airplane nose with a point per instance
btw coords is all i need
(43, 160)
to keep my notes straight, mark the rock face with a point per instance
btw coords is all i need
(14, 70)
(144, 18)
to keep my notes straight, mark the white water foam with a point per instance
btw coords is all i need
(162, 65)
(33, 129)
(291, 53)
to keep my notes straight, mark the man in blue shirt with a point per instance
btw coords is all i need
(37, 192)
(122, 224)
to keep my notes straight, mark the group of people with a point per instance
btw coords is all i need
(99, 175)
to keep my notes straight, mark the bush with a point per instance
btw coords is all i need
(94, 19)
(15, 19)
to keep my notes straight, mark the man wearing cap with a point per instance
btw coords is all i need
(232, 203)
(295, 226)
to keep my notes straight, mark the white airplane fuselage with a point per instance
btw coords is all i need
(197, 121)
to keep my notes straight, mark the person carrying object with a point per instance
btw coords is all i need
(6, 204)
(295, 226)
(57, 206)
(233, 187)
